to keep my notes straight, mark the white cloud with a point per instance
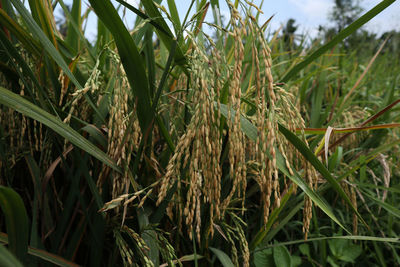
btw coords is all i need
(134, 3)
(313, 9)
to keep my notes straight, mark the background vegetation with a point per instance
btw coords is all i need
(163, 146)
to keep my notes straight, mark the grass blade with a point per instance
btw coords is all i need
(16, 221)
(310, 157)
(167, 39)
(29, 43)
(25, 107)
(130, 58)
(346, 237)
(47, 45)
(7, 259)
(42, 254)
(223, 258)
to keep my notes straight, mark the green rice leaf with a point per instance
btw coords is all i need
(47, 45)
(7, 259)
(42, 254)
(16, 221)
(346, 237)
(28, 109)
(310, 157)
(167, 39)
(130, 58)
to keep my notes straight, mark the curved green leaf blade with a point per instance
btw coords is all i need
(25, 107)
(389, 208)
(16, 221)
(130, 58)
(348, 237)
(223, 258)
(7, 259)
(49, 257)
(310, 157)
(265, 229)
(315, 197)
(44, 255)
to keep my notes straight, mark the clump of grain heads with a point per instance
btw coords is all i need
(123, 131)
(236, 141)
(196, 165)
(132, 257)
(198, 151)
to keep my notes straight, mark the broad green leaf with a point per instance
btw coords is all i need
(16, 219)
(344, 250)
(305, 249)
(264, 258)
(296, 261)
(149, 236)
(25, 107)
(282, 256)
(222, 257)
(338, 38)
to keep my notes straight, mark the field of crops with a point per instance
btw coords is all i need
(194, 142)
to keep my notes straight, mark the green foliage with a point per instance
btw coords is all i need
(277, 256)
(7, 259)
(110, 144)
(16, 222)
(343, 251)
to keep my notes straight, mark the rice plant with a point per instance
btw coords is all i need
(164, 145)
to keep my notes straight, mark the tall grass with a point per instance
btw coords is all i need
(151, 146)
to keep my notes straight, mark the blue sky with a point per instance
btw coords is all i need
(309, 14)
